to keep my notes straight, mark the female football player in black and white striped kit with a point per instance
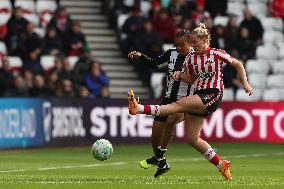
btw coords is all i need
(163, 126)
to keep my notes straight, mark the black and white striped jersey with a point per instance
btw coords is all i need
(173, 61)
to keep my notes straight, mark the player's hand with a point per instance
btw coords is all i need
(248, 89)
(176, 76)
(134, 54)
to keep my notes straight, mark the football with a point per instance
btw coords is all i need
(102, 149)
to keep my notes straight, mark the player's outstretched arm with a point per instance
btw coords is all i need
(157, 63)
(242, 73)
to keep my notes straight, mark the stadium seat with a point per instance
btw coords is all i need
(47, 62)
(4, 18)
(221, 20)
(5, 11)
(278, 67)
(121, 19)
(167, 46)
(270, 23)
(145, 7)
(234, 1)
(258, 9)
(257, 1)
(281, 52)
(5, 6)
(275, 81)
(257, 80)
(129, 3)
(241, 95)
(236, 8)
(273, 37)
(15, 62)
(33, 18)
(40, 31)
(157, 84)
(257, 66)
(281, 94)
(271, 95)
(3, 49)
(266, 52)
(72, 60)
(46, 5)
(228, 94)
(27, 5)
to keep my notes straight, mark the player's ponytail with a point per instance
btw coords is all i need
(202, 32)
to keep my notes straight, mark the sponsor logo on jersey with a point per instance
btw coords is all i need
(209, 62)
(203, 75)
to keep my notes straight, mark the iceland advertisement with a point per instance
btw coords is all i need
(19, 120)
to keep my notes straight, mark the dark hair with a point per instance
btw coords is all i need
(183, 34)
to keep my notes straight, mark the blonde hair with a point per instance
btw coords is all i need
(202, 32)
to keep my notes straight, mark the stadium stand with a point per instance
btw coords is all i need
(264, 29)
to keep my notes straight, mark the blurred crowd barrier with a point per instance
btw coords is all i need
(26, 122)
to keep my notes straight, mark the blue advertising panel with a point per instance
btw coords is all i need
(21, 123)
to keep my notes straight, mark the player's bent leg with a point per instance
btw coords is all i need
(168, 132)
(163, 166)
(157, 131)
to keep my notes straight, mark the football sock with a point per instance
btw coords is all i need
(162, 163)
(213, 158)
(148, 109)
(160, 153)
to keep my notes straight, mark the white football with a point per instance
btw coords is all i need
(102, 149)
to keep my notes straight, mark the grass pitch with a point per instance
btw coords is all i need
(253, 166)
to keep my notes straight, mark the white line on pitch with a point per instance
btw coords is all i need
(240, 156)
(65, 167)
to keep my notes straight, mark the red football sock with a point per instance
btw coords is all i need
(212, 157)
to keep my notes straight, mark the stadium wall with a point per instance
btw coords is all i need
(41, 122)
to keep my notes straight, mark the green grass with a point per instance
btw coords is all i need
(253, 166)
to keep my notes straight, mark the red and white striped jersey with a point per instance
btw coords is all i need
(208, 68)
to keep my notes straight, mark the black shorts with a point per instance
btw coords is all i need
(164, 101)
(211, 99)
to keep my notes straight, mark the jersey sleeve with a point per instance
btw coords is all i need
(224, 56)
(157, 63)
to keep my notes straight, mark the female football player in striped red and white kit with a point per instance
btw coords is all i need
(205, 65)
